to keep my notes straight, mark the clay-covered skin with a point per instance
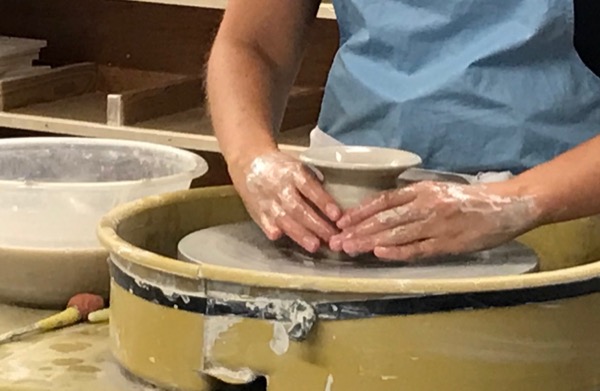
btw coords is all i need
(430, 219)
(285, 199)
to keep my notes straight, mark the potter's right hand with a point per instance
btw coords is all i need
(278, 191)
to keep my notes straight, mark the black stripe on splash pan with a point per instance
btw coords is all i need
(389, 306)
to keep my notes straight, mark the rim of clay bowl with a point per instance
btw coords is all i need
(110, 239)
(352, 157)
(198, 168)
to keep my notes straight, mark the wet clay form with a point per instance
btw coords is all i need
(244, 246)
(352, 173)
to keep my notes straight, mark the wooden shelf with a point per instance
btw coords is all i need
(293, 141)
(326, 10)
(98, 101)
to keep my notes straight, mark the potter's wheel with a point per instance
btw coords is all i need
(244, 246)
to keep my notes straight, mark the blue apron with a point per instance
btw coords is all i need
(469, 85)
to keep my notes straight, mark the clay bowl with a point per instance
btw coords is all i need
(352, 173)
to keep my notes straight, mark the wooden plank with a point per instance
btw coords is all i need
(17, 62)
(48, 85)
(116, 80)
(131, 107)
(90, 107)
(174, 106)
(80, 92)
(201, 141)
(22, 71)
(193, 121)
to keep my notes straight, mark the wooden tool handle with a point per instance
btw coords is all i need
(99, 316)
(67, 317)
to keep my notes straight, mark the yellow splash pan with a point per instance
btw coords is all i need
(178, 325)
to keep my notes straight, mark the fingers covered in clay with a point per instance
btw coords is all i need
(312, 189)
(296, 212)
(285, 198)
(268, 225)
(385, 220)
(382, 202)
(396, 236)
(431, 218)
(417, 250)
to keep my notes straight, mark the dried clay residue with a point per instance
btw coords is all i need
(329, 383)
(83, 369)
(70, 347)
(280, 342)
(75, 365)
(67, 361)
(213, 328)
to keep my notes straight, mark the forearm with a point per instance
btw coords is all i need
(252, 67)
(246, 98)
(566, 188)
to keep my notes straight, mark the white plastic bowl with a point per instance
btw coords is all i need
(54, 190)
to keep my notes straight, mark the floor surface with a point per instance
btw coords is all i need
(73, 359)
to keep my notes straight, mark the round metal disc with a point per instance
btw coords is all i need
(244, 246)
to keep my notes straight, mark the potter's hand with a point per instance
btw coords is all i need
(430, 219)
(277, 191)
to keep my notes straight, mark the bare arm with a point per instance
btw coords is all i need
(567, 187)
(429, 219)
(252, 67)
(254, 61)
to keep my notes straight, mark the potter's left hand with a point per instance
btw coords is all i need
(430, 218)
